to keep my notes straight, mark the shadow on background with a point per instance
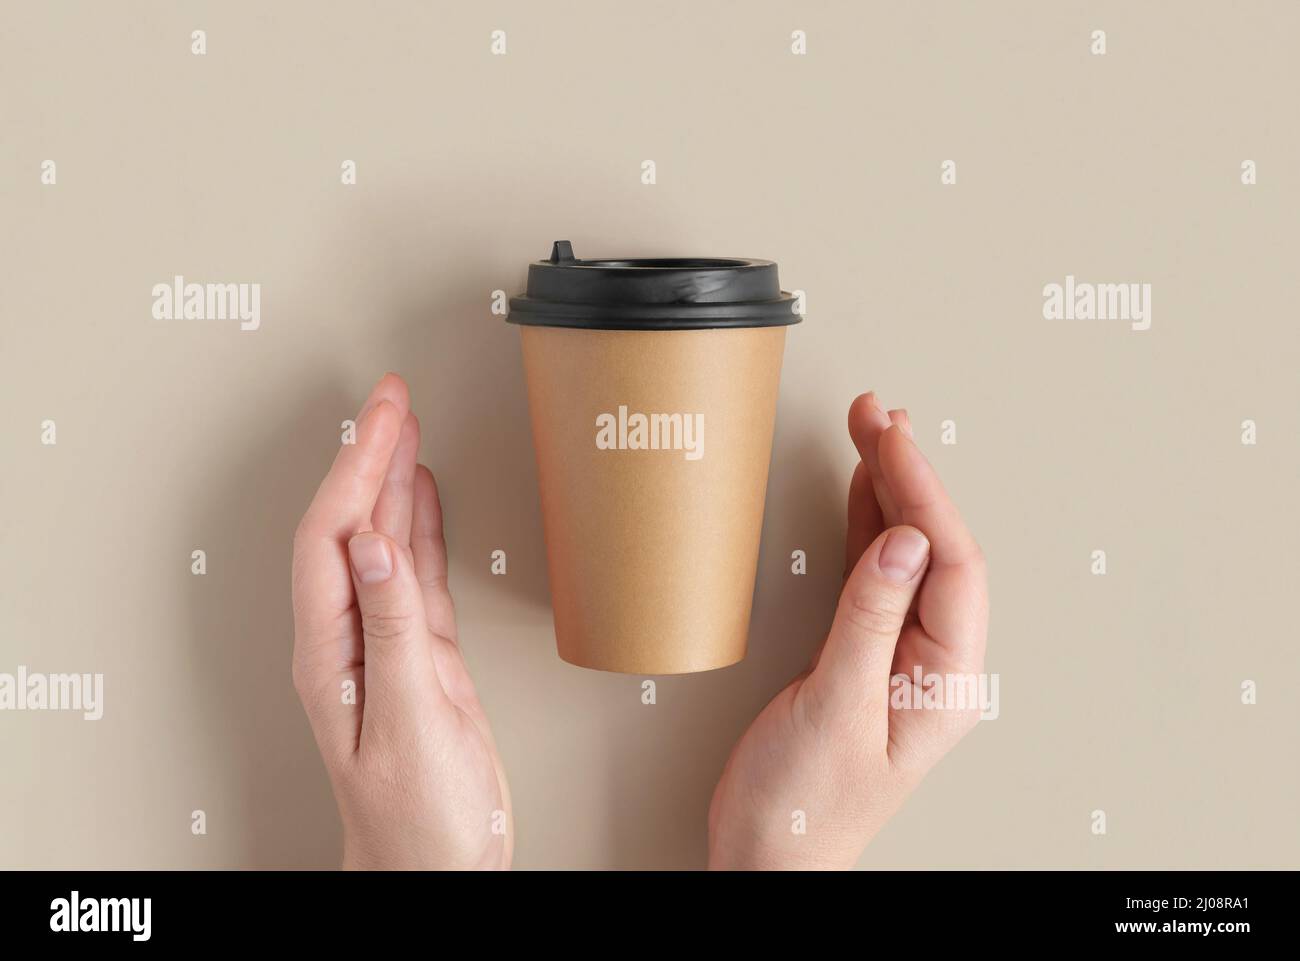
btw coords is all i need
(243, 639)
(664, 772)
(466, 383)
(467, 388)
(464, 368)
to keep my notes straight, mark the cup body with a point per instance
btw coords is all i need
(652, 453)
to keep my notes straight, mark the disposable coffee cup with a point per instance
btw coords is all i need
(652, 388)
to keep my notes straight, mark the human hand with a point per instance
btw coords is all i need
(414, 768)
(830, 744)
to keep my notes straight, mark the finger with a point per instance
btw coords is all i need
(953, 606)
(391, 388)
(864, 521)
(392, 513)
(854, 667)
(346, 498)
(429, 550)
(327, 639)
(401, 680)
(342, 506)
(920, 494)
(900, 419)
(867, 421)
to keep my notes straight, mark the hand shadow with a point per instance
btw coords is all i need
(261, 755)
(670, 755)
(465, 373)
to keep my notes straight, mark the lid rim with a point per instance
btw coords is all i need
(615, 264)
(526, 312)
(713, 323)
(651, 293)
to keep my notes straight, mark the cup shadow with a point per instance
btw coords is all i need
(465, 373)
(663, 773)
(466, 377)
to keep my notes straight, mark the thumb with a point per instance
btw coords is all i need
(855, 664)
(400, 676)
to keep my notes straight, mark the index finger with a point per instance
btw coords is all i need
(322, 581)
(346, 497)
(922, 500)
(953, 603)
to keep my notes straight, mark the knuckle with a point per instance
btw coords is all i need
(306, 682)
(872, 612)
(811, 709)
(431, 581)
(382, 625)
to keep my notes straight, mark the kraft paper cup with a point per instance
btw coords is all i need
(652, 450)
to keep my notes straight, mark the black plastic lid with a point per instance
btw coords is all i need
(651, 294)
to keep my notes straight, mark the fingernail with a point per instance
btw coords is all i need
(371, 558)
(881, 415)
(903, 554)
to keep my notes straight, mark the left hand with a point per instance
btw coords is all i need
(415, 771)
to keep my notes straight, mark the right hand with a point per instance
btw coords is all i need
(830, 746)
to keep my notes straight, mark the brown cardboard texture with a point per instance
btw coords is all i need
(652, 453)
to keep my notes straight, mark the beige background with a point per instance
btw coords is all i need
(1118, 692)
